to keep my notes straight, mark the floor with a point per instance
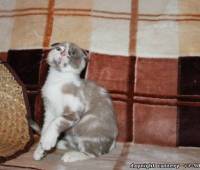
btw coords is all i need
(124, 156)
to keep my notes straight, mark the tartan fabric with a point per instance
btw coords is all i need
(144, 52)
(154, 28)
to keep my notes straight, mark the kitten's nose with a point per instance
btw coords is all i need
(57, 62)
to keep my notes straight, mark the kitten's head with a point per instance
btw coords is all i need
(67, 57)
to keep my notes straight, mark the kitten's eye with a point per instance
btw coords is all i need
(73, 52)
(58, 48)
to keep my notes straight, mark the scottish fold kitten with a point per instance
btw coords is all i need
(77, 108)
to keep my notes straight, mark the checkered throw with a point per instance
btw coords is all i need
(145, 52)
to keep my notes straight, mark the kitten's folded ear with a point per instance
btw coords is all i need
(86, 54)
(55, 44)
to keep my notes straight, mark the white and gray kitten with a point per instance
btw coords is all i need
(77, 108)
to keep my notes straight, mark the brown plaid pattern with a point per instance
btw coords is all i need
(144, 52)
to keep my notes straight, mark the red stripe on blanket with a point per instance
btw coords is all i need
(23, 14)
(133, 27)
(49, 24)
(168, 19)
(123, 157)
(65, 14)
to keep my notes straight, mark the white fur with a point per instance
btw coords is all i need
(103, 91)
(56, 101)
(73, 103)
(113, 145)
(96, 140)
(39, 153)
(54, 54)
(60, 74)
(52, 92)
(61, 145)
(74, 156)
(49, 137)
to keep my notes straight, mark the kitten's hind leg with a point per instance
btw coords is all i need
(88, 147)
(95, 145)
(74, 153)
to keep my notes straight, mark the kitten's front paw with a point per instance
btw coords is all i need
(48, 141)
(38, 153)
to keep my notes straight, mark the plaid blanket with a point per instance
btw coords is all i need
(145, 52)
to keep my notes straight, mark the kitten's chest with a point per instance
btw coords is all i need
(53, 93)
(57, 99)
(54, 97)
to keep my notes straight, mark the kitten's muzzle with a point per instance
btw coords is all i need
(57, 62)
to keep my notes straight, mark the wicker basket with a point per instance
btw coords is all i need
(15, 134)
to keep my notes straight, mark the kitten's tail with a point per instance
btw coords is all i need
(35, 126)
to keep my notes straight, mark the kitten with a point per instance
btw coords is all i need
(77, 108)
